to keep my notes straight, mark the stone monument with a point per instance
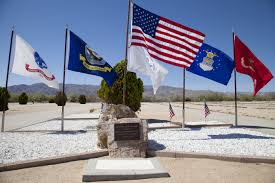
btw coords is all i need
(122, 132)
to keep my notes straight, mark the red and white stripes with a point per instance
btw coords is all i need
(173, 43)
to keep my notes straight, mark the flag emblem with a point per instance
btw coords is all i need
(40, 62)
(207, 63)
(92, 57)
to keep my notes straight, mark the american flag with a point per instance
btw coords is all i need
(172, 114)
(206, 110)
(165, 40)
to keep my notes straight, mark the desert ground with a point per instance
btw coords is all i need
(260, 115)
(256, 116)
(181, 171)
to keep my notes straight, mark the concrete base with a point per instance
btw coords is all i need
(122, 169)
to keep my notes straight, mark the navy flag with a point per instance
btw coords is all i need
(83, 58)
(212, 64)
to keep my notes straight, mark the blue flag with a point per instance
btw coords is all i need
(83, 58)
(212, 64)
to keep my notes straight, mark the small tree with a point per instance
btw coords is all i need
(73, 98)
(114, 94)
(4, 98)
(82, 99)
(23, 98)
(51, 99)
(60, 100)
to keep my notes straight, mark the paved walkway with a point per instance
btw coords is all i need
(185, 170)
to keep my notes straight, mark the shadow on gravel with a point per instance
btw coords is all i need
(75, 132)
(253, 127)
(157, 121)
(154, 145)
(238, 136)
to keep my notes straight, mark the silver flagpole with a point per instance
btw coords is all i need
(64, 76)
(126, 53)
(183, 100)
(235, 83)
(7, 80)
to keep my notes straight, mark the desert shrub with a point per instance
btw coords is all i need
(4, 98)
(82, 99)
(60, 100)
(51, 100)
(147, 99)
(23, 98)
(114, 94)
(73, 98)
(245, 97)
(92, 98)
(13, 97)
(38, 97)
(187, 99)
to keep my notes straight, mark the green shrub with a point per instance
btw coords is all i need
(73, 98)
(23, 98)
(82, 99)
(187, 99)
(114, 94)
(4, 98)
(60, 100)
(38, 97)
(51, 100)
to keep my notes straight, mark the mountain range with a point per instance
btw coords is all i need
(90, 90)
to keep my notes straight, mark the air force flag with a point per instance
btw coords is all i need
(212, 64)
(84, 59)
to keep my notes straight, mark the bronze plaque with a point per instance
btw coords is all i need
(127, 131)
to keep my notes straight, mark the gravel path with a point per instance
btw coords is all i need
(232, 141)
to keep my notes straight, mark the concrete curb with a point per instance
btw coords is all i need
(223, 157)
(163, 127)
(53, 160)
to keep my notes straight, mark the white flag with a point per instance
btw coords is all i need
(27, 62)
(140, 61)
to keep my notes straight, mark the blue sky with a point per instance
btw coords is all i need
(102, 25)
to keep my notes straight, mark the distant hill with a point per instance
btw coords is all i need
(44, 89)
(163, 93)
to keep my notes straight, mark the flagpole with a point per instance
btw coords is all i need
(64, 76)
(7, 80)
(183, 99)
(235, 84)
(126, 54)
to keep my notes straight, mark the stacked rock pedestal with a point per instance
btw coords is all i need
(122, 132)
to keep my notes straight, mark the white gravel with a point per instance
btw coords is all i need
(19, 146)
(231, 141)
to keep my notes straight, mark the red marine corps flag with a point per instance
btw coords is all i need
(247, 63)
